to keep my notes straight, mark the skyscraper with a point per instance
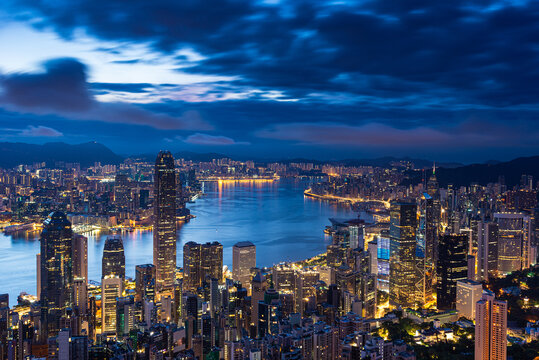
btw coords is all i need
(144, 282)
(243, 259)
(452, 266)
(402, 233)
(514, 235)
(201, 261)
(164, 231)
(111, 288)
(487, 250)
(80, 257)
(80, 295)
(490, 328)
(468, 294)
(113, 258)
(56, 272)
(258, 289)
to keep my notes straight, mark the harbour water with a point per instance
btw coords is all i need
(275, 216)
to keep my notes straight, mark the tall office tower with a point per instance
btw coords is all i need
(178, 302)
(80, 257)
(433, 189)
(113, 258)
(111, 288)
(356, 229)
(80, 295)
(201, 261)
(145, 282)
(164, 231)
(243, 259)
(372, 249)
(63, 341)
(427, 249)
(487, 250)
(471, 267)
(258, 288)
(56, 272)
(490, 328)
(125, 315)
(402, 234)
(268, 313)
(429, 224)
(452, 266)
(122, 192)
(468, 294)
(514, 241)
(38, 276)
(383, 261)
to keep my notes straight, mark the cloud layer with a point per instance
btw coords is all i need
(321, 78)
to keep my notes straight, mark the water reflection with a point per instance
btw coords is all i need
(275, 216)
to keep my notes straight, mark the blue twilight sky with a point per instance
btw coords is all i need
(442, 80)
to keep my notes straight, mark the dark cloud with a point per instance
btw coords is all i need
(62, 89)
(484, 51)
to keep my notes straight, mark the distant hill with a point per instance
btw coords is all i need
(489, 172)
(13, 154)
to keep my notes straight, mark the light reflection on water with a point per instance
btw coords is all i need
(275, 216)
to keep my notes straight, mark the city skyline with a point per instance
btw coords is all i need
(407, 256)
(329, 79)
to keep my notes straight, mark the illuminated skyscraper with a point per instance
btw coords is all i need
(201, 261)
(80, 295)
(433, 190)
(468, 294)
(56, 272)
(514, 234)
(164, 231)
(113, 258)
(402, 234)
(258, 289)
(243, 259)
(144, 282)
(490, 328)
(80, 257)
(111, 288)
(487, 250)
(452, 267)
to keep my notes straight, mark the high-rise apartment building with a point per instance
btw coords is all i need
(402, 234)
(56, 272)
(201, 261)
(452, 267)
(243, 259)
(164, 231)
(490, 328)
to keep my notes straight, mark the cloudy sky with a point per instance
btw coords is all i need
(442, 80)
